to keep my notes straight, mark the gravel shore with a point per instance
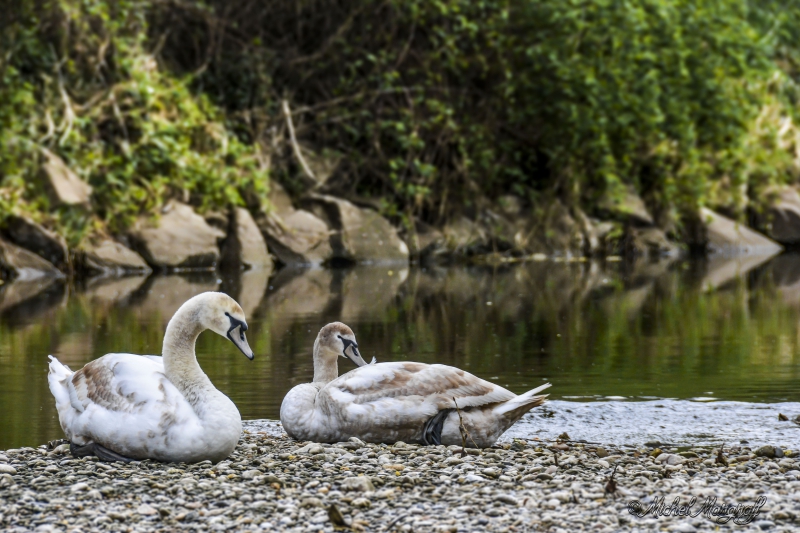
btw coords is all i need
(273, 483)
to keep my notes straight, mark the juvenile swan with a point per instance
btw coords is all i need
(122, 407)
(389, 402)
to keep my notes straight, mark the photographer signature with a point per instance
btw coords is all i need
(721, 513)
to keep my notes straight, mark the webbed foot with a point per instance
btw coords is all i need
(103, 453)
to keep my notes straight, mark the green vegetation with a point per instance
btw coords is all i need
(434, 107)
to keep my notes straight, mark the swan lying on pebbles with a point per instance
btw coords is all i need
(390, 402)
(123, 407)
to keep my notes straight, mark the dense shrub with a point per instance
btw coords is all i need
(432, 106)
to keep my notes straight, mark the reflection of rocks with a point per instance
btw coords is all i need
(786, 276)
(300, 292)
(107, 291)
(367, 292)
(245, 246)
(17, 292)
(179, 239)
(109, 258)
(74, 348)
(21, 302)
(295, 236)
(248, 288)
(27, 234)
(161, 296)
(363, 235)
(22, 265)
(717, 234)
(720, 269)
(63, 186)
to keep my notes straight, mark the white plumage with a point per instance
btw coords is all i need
(125, 406)
(389, 402)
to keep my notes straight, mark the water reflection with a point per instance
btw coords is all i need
(667, 329)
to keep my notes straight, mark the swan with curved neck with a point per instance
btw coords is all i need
(402, 401)
(124, 407)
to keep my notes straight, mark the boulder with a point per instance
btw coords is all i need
(650, 242)
(21, 265)
(179, 239)
(424, 241)
(716, 234)
(108, 257)
(462, 234)
(27, 234)
(626, 207)
(62, 185)
(563, 234)
(245, 247)
(363, 235)
(781, 221)
(295, 236)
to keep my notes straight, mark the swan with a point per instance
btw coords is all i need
(125, 407)
(401, 401)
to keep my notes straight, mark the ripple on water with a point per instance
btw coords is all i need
(680, 422)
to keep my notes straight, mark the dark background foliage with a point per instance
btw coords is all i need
(431, 108)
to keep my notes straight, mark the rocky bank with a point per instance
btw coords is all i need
(272, 483)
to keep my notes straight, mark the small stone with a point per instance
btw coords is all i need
(767, 451)
(250, 474)
(362, 503)
(79, 487)
(7, 469)
(311, 502)
(146, 510)
(601, 452)
(359, 483)
(507, 499)
(765, 524)
(6, 481)
(490, 472)
(656, 452)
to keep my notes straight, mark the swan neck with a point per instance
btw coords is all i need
(180, 362)
(325, 369)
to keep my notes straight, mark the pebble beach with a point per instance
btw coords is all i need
(272, 483)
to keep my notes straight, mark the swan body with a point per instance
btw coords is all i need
(126, 406)
(401, 401)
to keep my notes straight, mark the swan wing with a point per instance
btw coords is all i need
(122, 383)
(435, 385)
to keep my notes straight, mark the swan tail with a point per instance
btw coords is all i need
(58, 378)
(514, 408)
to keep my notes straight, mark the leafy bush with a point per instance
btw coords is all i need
(432, 106)
(80, 81)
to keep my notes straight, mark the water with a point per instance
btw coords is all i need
(616, 340)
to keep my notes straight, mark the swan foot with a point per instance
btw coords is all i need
(432, 432)
(103, 453)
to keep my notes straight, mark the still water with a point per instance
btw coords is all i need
(617, 341)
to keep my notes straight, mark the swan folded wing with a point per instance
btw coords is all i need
(123, 383)
(435, 385)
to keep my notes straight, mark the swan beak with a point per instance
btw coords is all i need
(236, 335)
(351, 352)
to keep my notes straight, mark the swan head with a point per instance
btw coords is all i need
(338, 340)
(221, 314)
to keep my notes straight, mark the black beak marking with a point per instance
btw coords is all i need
(347, 343)
(236, 323)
